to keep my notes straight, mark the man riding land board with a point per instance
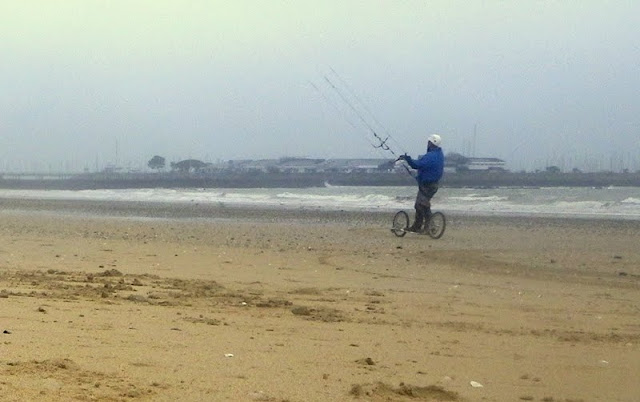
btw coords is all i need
(430, 167)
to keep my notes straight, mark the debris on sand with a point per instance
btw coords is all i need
(388, 392)
(301, 310)
(319, 313)
(366, 361)
(110, 272)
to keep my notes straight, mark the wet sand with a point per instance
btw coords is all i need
(213, 303)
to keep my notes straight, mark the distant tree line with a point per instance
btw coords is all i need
(156, 163)
(189, 165)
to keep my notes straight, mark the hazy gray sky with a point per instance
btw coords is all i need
(540, 81)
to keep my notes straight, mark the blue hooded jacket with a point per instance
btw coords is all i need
(430, 166)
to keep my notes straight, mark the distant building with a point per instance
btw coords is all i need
(254, 166)
(111, 168)
(356, 165)
(299, 165)
(455, 163)
(310, 165)
(476, 164)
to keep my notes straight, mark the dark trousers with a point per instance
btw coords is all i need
(423, 204)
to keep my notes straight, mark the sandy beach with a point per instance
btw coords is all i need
(200, 303)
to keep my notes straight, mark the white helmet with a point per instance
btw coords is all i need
(435, 140)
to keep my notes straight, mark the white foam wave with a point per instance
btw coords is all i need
(360, 201)
(554, 201)
(580, 205)
(476, 198)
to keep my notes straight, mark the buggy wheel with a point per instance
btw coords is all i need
(400, 223)
(436, 225)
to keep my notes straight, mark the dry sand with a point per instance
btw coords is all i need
(306, 306)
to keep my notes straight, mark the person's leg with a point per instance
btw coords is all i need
(429, 191)
(418, 221)
(423, 206)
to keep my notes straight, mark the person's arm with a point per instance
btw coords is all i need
(410, 161)
(423, 163)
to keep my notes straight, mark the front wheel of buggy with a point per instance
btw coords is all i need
(400, 223)
(436, 225)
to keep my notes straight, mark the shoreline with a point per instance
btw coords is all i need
(142, 210)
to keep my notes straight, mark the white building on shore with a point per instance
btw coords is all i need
(486, 164)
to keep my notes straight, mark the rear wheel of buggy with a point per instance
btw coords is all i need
(436, 225)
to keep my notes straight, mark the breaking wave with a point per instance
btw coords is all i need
(616, 202)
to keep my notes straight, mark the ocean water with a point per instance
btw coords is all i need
(612, 202)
